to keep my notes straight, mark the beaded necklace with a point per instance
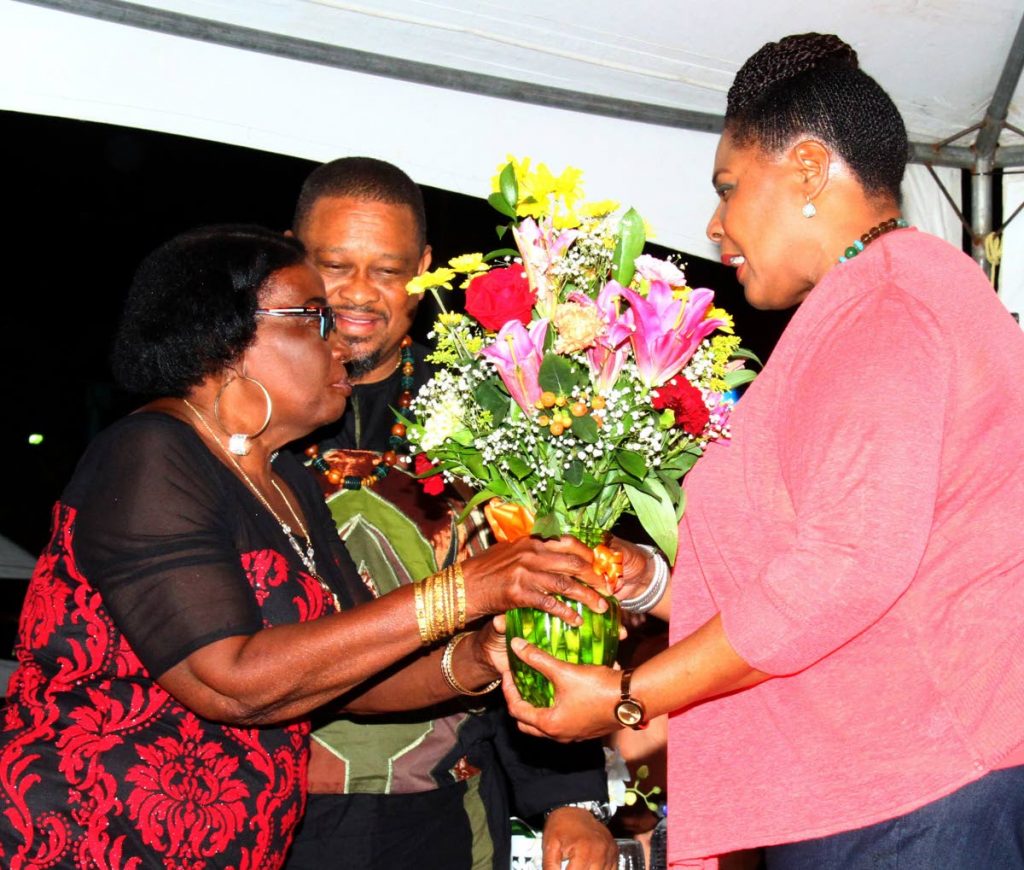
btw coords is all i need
(397, 441)
(896, 223)
(307, 557)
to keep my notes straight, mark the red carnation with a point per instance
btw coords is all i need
(432, 484)
(685, 399)
(498, 296)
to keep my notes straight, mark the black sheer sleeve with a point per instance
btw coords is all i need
(154, 535)
(334, 563)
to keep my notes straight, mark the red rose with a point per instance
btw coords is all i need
(432, 484)
(685, 399)
(498, 296)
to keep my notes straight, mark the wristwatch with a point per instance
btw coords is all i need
(629, 711)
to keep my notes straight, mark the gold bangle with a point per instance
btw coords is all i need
(421, 612)
(449, 674)
(460, 597)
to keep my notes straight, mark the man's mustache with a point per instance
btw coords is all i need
(382, 313)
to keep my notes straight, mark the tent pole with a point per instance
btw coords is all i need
(981, 208)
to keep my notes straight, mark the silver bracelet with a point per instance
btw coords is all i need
(655, 590)
(600, 811)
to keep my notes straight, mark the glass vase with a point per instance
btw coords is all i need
(594, 642)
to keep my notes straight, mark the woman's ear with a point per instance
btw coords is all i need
(812, 160)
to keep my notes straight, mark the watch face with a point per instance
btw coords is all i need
(629, 713)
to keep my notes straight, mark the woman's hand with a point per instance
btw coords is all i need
(637, 568)
(490, 641)
(585, 698)
(530, 573)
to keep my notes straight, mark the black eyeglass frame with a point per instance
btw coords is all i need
(324, 312)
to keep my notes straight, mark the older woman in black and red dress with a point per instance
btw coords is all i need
(195, 602)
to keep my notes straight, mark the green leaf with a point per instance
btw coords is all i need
(547, 526)
(628, 247)
(682, 463)
(585, 428)
(576, 495)
(667, 419)
(482, 496)
(499, 203)
(476, 466)
(509, 187)
(632, 463)
(518, 468)
(501, 252)
(657, 515)
(557, 374)
(574, 473)
(739, 377)
(491, 397)
(680, 506)
(743, 353)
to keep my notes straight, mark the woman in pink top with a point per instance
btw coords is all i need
(846, 676)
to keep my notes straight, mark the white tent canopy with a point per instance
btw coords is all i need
(447, 89)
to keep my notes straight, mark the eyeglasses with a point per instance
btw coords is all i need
(324, 312)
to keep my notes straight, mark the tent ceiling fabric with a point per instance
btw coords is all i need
(940, 60)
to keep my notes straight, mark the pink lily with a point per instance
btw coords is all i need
(654, 269)
(517, 353)
(668, 330)
(608, 355)
(541, 247)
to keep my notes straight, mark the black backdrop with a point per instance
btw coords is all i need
(83, 203)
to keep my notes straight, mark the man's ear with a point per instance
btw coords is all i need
(425, 260)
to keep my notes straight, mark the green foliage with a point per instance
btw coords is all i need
(657, 515)
(558, 374)
(492, 397)
(628, 246)
(499, 203)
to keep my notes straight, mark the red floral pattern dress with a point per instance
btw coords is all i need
(99, 766)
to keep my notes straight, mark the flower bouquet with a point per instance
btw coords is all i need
(583, 380)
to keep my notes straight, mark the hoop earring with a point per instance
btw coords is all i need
(238, 442)
(808, 211)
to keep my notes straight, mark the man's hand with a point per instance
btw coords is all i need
(573, 834)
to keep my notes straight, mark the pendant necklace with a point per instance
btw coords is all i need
(307, 556)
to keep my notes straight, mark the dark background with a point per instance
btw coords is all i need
(84, 203)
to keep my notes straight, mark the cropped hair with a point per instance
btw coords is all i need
(362, 178)
(190, 310)
(812, 84)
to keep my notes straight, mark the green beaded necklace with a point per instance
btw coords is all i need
(896, 223)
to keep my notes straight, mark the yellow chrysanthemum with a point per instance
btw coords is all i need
(543, 194)
(598, 209)
(722, 348)
(450, 319)
(438, 278)
(469, 263)
(723, 315)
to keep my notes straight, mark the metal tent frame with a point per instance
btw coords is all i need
(981, 158)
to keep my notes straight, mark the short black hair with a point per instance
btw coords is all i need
(811, 83)
(190, 311)
(362, 178)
